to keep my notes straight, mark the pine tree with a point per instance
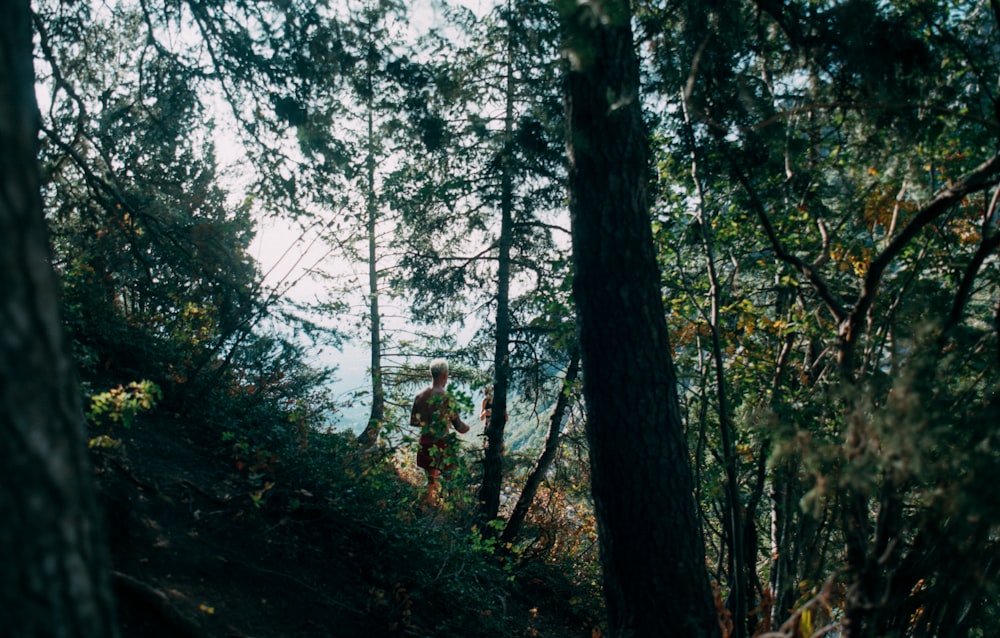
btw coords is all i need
(651, 547)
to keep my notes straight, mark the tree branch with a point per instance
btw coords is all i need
(809, 271)
(984, 176)
(986, 248)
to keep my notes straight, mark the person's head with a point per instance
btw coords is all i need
(439, 369)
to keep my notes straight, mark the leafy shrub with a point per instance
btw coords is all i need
(123, 403)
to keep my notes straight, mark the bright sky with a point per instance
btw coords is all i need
(286, 253)
(284, 250)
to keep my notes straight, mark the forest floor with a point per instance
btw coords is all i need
(194, 556)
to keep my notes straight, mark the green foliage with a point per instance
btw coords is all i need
(122, 404)
(791, 149)
(157, 279)
(430, 571)
(486, 543)
(789, 160)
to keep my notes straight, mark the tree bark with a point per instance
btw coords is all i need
(370, 434)
(55, 579)
(651, 544)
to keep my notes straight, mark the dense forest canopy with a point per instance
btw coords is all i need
(783, 273)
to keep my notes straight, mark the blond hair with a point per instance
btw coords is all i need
(438, 367)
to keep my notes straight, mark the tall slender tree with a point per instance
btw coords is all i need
(482, 224)
(377, 80)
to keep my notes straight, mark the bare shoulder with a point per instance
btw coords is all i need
(426, 392)
(431, 393)
(427, 395)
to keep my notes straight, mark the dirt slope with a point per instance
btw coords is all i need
(194, 557)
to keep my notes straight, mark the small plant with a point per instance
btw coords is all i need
(486, 544)
(259, 465)
(122, 404)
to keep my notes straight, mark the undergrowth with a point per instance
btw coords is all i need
(430, 571)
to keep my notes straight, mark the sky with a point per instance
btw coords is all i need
(286, 253)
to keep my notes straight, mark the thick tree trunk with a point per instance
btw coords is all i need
(652, 554)
(55, 579)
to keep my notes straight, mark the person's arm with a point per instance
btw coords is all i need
(456, 421)
(451, 416)
(415, 416)
(458, 424)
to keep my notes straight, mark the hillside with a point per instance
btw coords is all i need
(211, 538)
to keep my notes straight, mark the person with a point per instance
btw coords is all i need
(487, 407)
(432, 413)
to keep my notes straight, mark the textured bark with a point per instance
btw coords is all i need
(55, 576)
(651, 544)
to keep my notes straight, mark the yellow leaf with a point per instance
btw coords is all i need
(806, 623)
(104, 441)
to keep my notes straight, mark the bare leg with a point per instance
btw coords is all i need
(432, 486)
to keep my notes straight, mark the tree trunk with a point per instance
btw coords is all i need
(489, 491)
(55, 579)
(370, 434)
(651, 545)
(527, 497)
(740, 596)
